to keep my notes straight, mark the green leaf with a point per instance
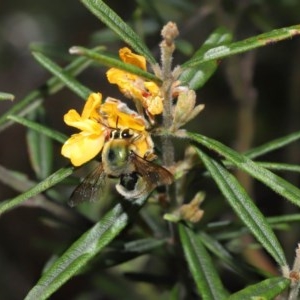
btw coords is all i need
(40, 148)
(221, 252)
(279, 166)
(16, 180)
(143, 245)
(276, 183)
(6, 96)
(244, 45)
(273, 145)
(35, 98)
(111, 285)
(196, 77)
(174, 293)
(201, 266)
(53, 134)
(53, 179)
(63, 75)
(121, 28)
(129, 251)
(40, 152)
(20, 183)
(267, 289)
(112, 62)
(84, 249)
(284, 219)
(244, 207)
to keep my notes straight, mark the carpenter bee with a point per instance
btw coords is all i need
(138, 176)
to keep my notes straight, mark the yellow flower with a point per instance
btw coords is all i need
(135, 87)
(82, 147)
(96, 122)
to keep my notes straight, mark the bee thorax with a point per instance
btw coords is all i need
(115, 158)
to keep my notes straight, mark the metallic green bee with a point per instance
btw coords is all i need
(138, 176)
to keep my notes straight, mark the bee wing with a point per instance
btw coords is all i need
(153, 173)
(89, 188)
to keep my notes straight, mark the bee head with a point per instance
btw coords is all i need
(121, 134)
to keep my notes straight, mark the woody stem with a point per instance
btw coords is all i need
(169, 33)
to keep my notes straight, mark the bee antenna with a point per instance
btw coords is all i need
(112, 128)
(117, 121)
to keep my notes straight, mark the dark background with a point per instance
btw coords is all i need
(257, 93)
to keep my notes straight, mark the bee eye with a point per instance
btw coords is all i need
(126, 133)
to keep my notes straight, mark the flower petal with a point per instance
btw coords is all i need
(91, 106)
(118, 115)
(72, 118)
(154, 105)
(125, 81)
(134, 59)
(143, 145)
(80, 148)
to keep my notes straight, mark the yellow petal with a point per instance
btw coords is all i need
(72, 118)
(125, 81)
(118, 115)
(113, 74)
(91, 106)
(154, 101)
(119, 77)
(134, 59)
(80, 148)
(152, 88)
(155, 105)
(142, 145)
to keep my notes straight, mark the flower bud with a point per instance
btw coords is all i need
(185, 109)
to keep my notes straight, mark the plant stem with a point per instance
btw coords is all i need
(169, 33)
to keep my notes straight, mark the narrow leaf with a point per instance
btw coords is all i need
(128, 251)
(143, 245)
(40, 152)
(279, 166)
(273, 145)
(53, 179)
(276, 183)
(16, 180)
(284, 219)
(221, 252)
(40, 148)
(55, 135)
(196, 77)
(64, 76)
(267, 289)
(121, 28)
(84, 249)
(244, 45)
(112, 62)
(6, 96)
(244, 207)
(201, 266)
(34, 99)
(20, 183)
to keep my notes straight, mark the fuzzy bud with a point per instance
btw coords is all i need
(185, 109)
(190, 212)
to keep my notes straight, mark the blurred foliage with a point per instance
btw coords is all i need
(251, 99)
